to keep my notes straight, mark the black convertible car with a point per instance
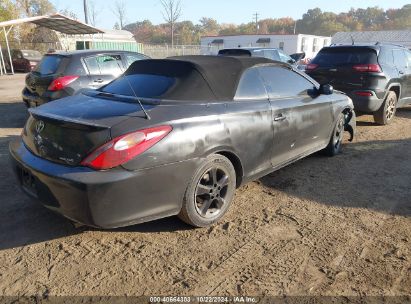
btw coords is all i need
(175, 136)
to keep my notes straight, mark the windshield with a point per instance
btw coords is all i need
(48, 64)
(144, 85)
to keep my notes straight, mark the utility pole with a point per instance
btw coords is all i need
(255, 16)
(85, 11)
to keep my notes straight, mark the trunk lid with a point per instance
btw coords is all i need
(67, 130)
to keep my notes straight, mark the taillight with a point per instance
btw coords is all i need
(124, 148)
(61, 82)
(367, 68)
(311, 67)
(363, 93)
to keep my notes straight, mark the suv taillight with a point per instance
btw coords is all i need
(311, 67)
(367, 68)
(61, 82)
(124, 148)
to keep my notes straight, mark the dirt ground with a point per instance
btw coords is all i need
(322, 226)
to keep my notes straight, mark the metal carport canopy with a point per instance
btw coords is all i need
(56, 22)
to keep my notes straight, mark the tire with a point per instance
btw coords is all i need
(208, 198)
(385, 115)
(335, 145)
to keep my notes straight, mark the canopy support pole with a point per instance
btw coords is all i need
(2, 65)
(6, 33)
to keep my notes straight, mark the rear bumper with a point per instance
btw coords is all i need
(104, 199)
(33, 100)
(366, 104)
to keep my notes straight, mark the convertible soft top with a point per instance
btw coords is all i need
(205, 77)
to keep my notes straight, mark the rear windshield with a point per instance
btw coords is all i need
(346, 55)
(144, 85)
(48, 65)
(235, 52)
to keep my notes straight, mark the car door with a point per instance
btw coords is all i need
(103, 68)
(302, 119)
(249, 121)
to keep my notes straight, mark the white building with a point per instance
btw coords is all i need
(290, 44)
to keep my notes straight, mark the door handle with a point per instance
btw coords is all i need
(280, 117)
(401, 72)
(99, 80)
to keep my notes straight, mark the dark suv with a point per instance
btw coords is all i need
(376, 77)
(63, 74)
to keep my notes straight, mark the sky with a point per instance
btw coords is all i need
(224, 11)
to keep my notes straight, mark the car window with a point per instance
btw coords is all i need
(258, 53)
(281, 82)
(251, 86)
(284, 57)
(130, 58)
(408, 54)
(386, 57)
(270, 54)
(400, 60)
(92, 65)
(110, 64)
(335, 56)
(144, 85)
(48, 64)
(17, 55)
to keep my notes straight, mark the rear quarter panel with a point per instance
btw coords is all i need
(241, 128)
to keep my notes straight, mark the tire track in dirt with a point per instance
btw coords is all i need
(237, 264)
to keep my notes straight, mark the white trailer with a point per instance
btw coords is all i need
(290, 44)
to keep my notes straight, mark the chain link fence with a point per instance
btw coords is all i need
(159, 51)
(42, 47)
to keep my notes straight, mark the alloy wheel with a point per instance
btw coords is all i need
(339, 131)
(211, 192)
(390, 110)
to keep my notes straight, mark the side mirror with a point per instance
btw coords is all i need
(326, 89)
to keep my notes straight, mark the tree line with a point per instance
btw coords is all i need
(314, 21)
(176, 31)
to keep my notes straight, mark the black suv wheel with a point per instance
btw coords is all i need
(386, 113)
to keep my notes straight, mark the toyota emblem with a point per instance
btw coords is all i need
(39, 126)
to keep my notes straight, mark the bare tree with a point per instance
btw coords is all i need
(171, 13)
(93, 13)
(120, 11)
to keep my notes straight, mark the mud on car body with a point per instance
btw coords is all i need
(175, 137)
